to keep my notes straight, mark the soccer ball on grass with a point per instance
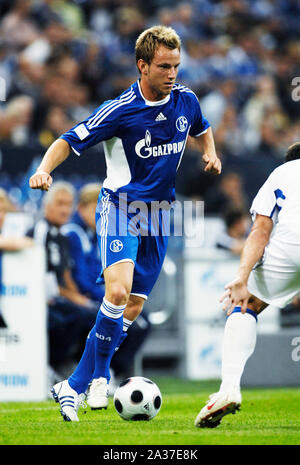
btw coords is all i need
(137, 398)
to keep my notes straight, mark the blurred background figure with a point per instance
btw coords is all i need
(84, 251)
(8, 243)
(237, 224)
(71, 314)
(228, 193)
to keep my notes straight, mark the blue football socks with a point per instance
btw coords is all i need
(82, 376)
(109, 325)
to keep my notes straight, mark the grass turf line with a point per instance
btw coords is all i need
(267, 417)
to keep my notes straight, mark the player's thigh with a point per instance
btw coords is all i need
(117, 251)
(118, 279)
(274, 280)
(149, 261)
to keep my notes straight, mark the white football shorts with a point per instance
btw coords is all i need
(274, 279)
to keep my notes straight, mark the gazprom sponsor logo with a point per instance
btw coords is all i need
(14, 290)
(144, 149)
(14, 380)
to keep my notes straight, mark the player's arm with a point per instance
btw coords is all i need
(71, 292)
(236, 291)
(12, 244)
(55, 155)
(206, 145)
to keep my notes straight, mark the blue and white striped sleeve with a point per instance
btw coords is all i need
(200, 124)
(102, 124)
(269, 199)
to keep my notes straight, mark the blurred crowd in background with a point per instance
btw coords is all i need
(61, 59)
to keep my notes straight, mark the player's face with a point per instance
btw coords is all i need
(160, 76)
(58, 211)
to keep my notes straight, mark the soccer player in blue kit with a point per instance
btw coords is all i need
(144, 131)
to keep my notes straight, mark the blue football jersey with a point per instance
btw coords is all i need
(143, 140)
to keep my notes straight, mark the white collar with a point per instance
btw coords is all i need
(150, 102)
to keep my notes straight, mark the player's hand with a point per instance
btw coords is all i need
(236, 294)
(80, 299)
(40, 180)
(213, 164)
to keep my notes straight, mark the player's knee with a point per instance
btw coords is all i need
(117, 294)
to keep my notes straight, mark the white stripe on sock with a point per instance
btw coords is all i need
(111, 310)
(126, 324)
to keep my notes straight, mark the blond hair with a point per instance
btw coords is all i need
(151, 38)
(89, 193)
(58, 186)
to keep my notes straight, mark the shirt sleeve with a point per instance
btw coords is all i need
(101, 125)
(268, 200)
(199, 122)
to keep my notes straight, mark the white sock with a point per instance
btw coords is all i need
(238, 344)
(126, 324)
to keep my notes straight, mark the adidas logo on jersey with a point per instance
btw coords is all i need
(160, 117)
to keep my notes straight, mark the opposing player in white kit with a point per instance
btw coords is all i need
(144, 131)
(269, 265)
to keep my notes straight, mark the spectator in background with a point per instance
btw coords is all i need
(84, 251)
(165, 16)
(8, 243)
(228, 193)
(54, 37)
(215, 102)
(71, 14)
(263, 99)
(17, 26)
(56, 122)
(71, 314)
(230, 137)
(184, 22)
(15, 120)
(236, 227)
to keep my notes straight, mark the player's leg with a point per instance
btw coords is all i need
(108, 329)
(95, 397)
(271, 282)
(115, 252)
(238, 345)
(83, 374)
(133, 309)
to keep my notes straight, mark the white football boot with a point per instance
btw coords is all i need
(97, 394)
(218, 405)
(68, 400)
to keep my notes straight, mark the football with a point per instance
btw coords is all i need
(137, 399)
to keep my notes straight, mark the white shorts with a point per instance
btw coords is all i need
(274, 279)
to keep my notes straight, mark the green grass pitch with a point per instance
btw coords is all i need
(267, 417)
